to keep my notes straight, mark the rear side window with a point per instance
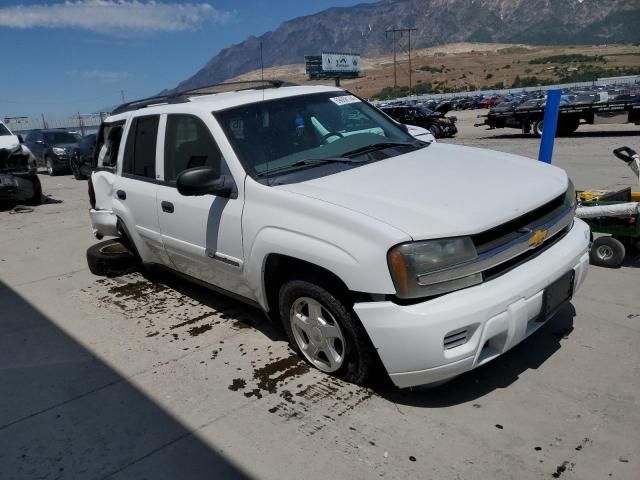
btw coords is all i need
(188, 144)
(140, 150)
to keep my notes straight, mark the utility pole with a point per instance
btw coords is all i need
(402, 31)
(395, 74)
(122, 94)
(44, 123)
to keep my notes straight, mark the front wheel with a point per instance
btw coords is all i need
(51, 170)
(323, 330)
(436, 131)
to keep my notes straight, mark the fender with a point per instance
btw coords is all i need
(274, 240)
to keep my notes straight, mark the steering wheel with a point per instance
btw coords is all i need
(328, 135)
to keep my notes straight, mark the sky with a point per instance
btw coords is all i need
(66, 56)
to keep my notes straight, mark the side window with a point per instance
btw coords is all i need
(140, 150)
(188, 143)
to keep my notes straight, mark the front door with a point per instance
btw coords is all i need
(202, 234)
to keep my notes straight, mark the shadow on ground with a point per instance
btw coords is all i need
(66, 414)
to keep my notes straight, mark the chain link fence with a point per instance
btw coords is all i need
(82, 123)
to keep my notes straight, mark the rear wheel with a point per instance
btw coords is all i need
(325, 331)
(607, 252)
(537, 128)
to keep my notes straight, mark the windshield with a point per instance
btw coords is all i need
(4, 130)
(61, 137)
(275, 135)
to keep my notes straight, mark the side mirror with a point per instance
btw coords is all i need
(205, 180)
(20, 139)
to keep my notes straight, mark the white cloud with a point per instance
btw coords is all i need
(113, 16)
(103, 76)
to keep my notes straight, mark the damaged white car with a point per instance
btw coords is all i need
(19, 181)
(363, 241)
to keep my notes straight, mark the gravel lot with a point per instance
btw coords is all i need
(137, 377)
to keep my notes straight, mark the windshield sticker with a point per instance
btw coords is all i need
(237, 127)
(345, 100)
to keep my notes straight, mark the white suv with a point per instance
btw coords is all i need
(364, 241)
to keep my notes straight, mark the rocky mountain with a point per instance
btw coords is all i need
(362, 28)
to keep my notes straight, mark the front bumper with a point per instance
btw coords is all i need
(495, 316)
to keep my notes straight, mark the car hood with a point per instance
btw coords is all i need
(9, 142)
(441, 190)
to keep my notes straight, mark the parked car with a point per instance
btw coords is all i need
(364, 242)
(52, 148)
(82, 157)
(439, 125)
(19, 181)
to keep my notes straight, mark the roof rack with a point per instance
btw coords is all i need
(182, 96)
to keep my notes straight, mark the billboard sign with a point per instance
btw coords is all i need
(340, 62)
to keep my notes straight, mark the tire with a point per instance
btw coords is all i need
(36, 198)
(111, 258)
(631, 244)
(607, 252)
(51, 169)
(75, 168)
(435, 131)
(537, 128)
(336, 334)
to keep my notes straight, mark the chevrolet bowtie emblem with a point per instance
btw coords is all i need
(537, 238)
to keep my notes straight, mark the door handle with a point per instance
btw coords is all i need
(122, 195)
(167, 207)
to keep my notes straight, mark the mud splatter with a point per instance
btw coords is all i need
(195, 331)
(192, 320)
(563, 467)
(271, 375)
(237, 384)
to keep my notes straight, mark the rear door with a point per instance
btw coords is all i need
(202, 234)
(135, 188)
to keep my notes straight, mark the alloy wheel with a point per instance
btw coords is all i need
(317, 334)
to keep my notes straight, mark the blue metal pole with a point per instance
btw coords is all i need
(549, 125)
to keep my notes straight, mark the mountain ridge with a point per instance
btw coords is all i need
(361, 28)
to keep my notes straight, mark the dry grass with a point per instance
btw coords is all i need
(463, 65)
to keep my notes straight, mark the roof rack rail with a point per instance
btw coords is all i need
(182, 96)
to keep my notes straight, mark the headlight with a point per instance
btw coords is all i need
(415, 266)
(59, 151)
(570, 196)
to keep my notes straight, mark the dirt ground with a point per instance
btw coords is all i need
(152, 377)
(463, 66)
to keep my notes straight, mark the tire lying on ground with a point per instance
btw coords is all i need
(111, 258)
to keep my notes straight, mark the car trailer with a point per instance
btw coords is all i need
(571, 116)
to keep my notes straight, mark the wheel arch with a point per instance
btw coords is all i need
(279, 268)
